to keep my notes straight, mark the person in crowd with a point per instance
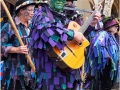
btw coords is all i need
(103, 55)
(73, 14)
(48, 31)
(18, 74)
(40, 2)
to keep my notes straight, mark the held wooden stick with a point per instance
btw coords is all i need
(83, 75)
(17, 34)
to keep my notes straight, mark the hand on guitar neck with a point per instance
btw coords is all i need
(97, 17)
(78, 36)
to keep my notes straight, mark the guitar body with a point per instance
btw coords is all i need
(72, 57)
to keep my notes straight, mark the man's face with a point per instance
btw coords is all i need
(70, 3)
(28, 12)
(57, 5)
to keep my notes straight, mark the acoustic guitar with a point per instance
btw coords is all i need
(72, 57)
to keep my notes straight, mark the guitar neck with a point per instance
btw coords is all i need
(87, 23)
(90, 19)
(77, 9)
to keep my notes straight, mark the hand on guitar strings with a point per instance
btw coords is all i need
(78, 36)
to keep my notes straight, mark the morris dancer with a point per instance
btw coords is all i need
(103, 55)
(17, 74)
(73, 14)
(48, 32)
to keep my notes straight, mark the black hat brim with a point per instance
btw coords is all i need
(23, 7)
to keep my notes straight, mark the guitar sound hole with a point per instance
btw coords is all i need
(80, 44)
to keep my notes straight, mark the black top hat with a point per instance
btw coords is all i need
(23, 3)
(40, 2)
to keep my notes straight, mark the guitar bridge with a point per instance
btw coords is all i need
(63, 54)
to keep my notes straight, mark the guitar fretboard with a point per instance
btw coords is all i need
(90, 19)
(87, 23)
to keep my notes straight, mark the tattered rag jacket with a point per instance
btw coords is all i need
(47, 33)
(16, 65)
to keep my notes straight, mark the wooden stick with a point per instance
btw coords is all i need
(82, 77)
(17, 33)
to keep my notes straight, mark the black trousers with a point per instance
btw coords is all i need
(105, 82)
(17, 87)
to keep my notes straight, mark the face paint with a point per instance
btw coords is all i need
(26, 13)
(29, 10)
(57, 5)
